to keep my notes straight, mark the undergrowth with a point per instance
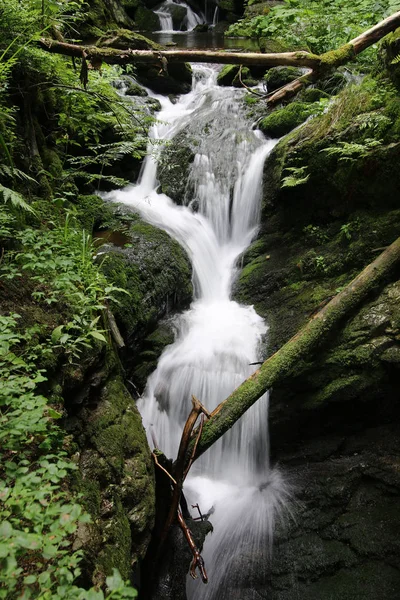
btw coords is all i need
(38, 514)
(316, 25)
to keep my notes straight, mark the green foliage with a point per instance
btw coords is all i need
(317, 25)
(298, 176)
(352, 151)
(37, 514)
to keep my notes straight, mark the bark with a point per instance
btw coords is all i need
(297, 349)
(114, 56)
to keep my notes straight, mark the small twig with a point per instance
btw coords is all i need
(247, 87)
(162, 468)
(200, 518)
(197, 561)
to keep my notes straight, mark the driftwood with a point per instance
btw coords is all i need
(318, 65)
(299, 347)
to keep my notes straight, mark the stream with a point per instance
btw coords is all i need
(217, 338)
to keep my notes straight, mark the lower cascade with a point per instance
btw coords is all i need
(216, 339)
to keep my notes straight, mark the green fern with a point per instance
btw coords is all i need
(396, 60)
(15, 199)
(298, 177)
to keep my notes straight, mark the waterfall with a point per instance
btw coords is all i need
(165, 13)
(217, 338)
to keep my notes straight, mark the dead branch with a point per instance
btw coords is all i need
(197, 561)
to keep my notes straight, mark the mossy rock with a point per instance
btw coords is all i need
(313, 94)
(134, 89)
(232, 74)
(279, 76)
(124, 39)
(174, 168)
(155, 271)
(177, 80)
(227, 75)
(117, 481)
(283, 120)
(152, 348)
(146, 20)
(92, 212)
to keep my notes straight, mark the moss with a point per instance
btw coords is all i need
(146, 19)
(93, 212)
(283, 120)
(227, 74)
(116, 548)
(313, 95)
(335, 58)
(124, 39)
(280, 76)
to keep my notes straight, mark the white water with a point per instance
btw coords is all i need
(165, 12)
(216, 338)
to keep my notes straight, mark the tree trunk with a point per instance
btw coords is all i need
(297, 349)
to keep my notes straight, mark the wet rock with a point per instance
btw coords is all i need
(174, 167)
(176, 80)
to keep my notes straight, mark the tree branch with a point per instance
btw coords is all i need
(299, 347)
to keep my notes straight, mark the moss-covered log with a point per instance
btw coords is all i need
(297, 349)
(330, 59)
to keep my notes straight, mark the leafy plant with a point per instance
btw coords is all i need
(352, 151)
(298, 176)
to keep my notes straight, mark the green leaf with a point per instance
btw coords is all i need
(114, 581)
(6, 529)
(98, 336)
(56, 334)
(53, 414)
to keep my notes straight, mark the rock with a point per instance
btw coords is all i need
(283, 120)
(277, 77)
(335, 420)
(174, 167)
(124, 39)
(117, 481)
(177, 80)
(146, 20)
(156, 272)
(229, 75)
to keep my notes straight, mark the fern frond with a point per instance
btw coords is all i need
(15, 199)
(396, 60)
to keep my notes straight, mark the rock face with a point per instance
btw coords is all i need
(334, 423)
(117, 480)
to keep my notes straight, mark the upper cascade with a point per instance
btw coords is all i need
(178, 16)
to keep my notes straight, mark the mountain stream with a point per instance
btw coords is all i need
(216, 338)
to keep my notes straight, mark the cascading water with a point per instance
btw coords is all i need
(216, 339)
(165, 13)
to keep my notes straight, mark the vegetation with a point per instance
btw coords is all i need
(61, 133)
(314, 25)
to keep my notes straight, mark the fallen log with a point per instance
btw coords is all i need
(298, 348)
(318, 65)
(113, 56)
